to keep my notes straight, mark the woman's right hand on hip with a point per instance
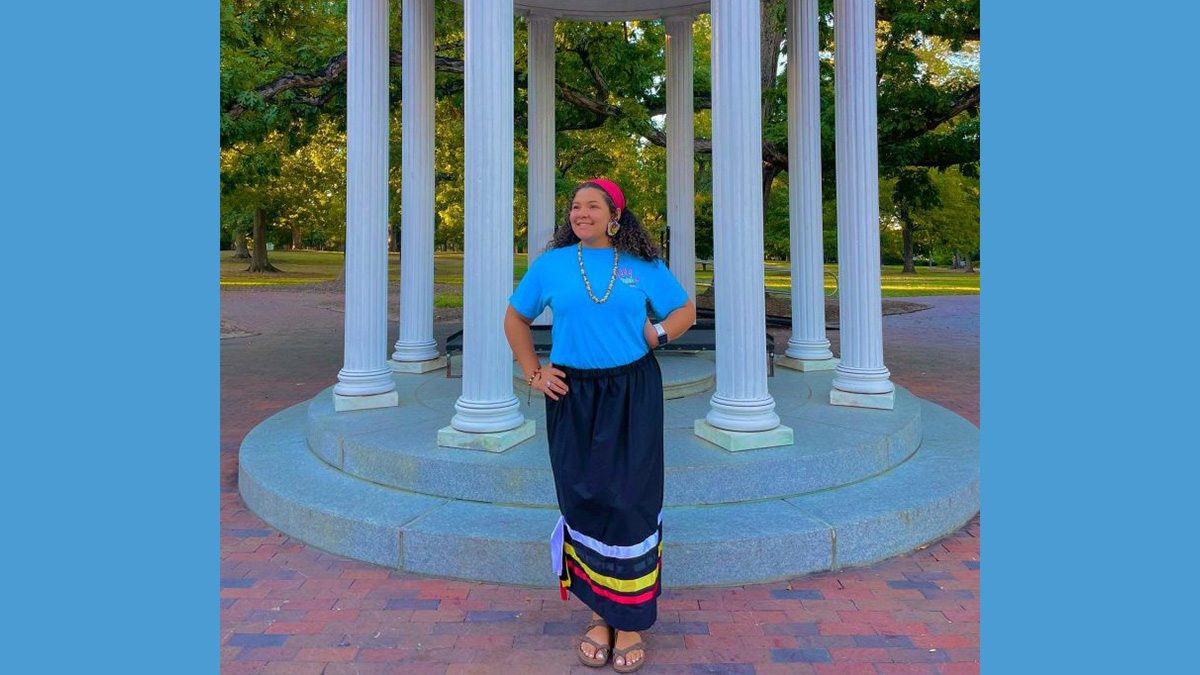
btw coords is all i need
(552, 382)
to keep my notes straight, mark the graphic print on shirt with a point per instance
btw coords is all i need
(627, 277)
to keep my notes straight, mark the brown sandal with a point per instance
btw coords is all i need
(602, 651)
(623, 654)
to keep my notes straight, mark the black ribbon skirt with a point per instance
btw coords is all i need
(606, 452)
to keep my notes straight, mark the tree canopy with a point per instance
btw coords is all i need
(283, 115)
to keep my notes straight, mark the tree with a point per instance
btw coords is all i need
(955, 224)
(246, 171)
(310, 191)
(912, 191)
(269, 40)
(301, 191)
(610, 96)
(240, 251)
(943, 230)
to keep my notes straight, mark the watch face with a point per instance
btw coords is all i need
(662, 339)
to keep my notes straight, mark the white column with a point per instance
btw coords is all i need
(541, 138)
(487, 403)
(681, 179)
(808, 343)
(416, 350)
(861, 378)
(741, 402)
(365, 380)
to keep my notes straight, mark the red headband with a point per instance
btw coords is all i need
(613, 191)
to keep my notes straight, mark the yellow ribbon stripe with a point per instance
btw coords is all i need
(623, 585)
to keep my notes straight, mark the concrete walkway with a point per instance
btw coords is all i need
(290, 608)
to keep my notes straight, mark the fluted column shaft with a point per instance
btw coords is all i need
(416, 341)
(365, 371)
(808, 339)
(741, 401)
(681, 177)
(861, 311)
(541, 138)
(487, 403)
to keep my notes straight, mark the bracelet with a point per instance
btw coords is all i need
(537, 372)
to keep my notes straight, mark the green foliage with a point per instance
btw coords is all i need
(941, 227)
(262, 40)
(263, 142)
(955, 224)
(303, 188)
(278, 143)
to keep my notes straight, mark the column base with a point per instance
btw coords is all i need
(734, 441)
(417, 366)
(496, 441)
(807, 365)
(877, 401)
(389, 399)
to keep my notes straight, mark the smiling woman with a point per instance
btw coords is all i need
(604, 410)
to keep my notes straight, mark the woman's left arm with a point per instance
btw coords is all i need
(676, 324)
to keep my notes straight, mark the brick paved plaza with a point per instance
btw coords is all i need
(290, 608)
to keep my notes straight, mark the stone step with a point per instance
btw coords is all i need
(930, 494)
(833, 446)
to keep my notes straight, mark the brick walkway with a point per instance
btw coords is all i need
(290, 608)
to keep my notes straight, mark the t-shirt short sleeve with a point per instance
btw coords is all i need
(530, 297)
(663, 291)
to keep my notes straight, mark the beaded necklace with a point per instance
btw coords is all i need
(588, 285)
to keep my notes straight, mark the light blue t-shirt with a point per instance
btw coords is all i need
(587, 334)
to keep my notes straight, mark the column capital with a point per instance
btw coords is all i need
(537, 16)
(675, 22)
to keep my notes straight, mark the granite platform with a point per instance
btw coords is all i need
(856, 486)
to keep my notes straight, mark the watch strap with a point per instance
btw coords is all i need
(662, 334)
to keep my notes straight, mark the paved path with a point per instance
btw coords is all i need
(290, 608)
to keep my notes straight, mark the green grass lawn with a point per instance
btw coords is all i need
(307, 267)
(927, 280)
(296, 267)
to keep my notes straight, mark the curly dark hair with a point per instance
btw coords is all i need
(631, 238)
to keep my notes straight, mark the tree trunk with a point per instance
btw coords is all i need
(259, 262)
(770, 43)
(970, 265)
(906, 230)
(770, 171)
(240, 252)
(296, 238)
